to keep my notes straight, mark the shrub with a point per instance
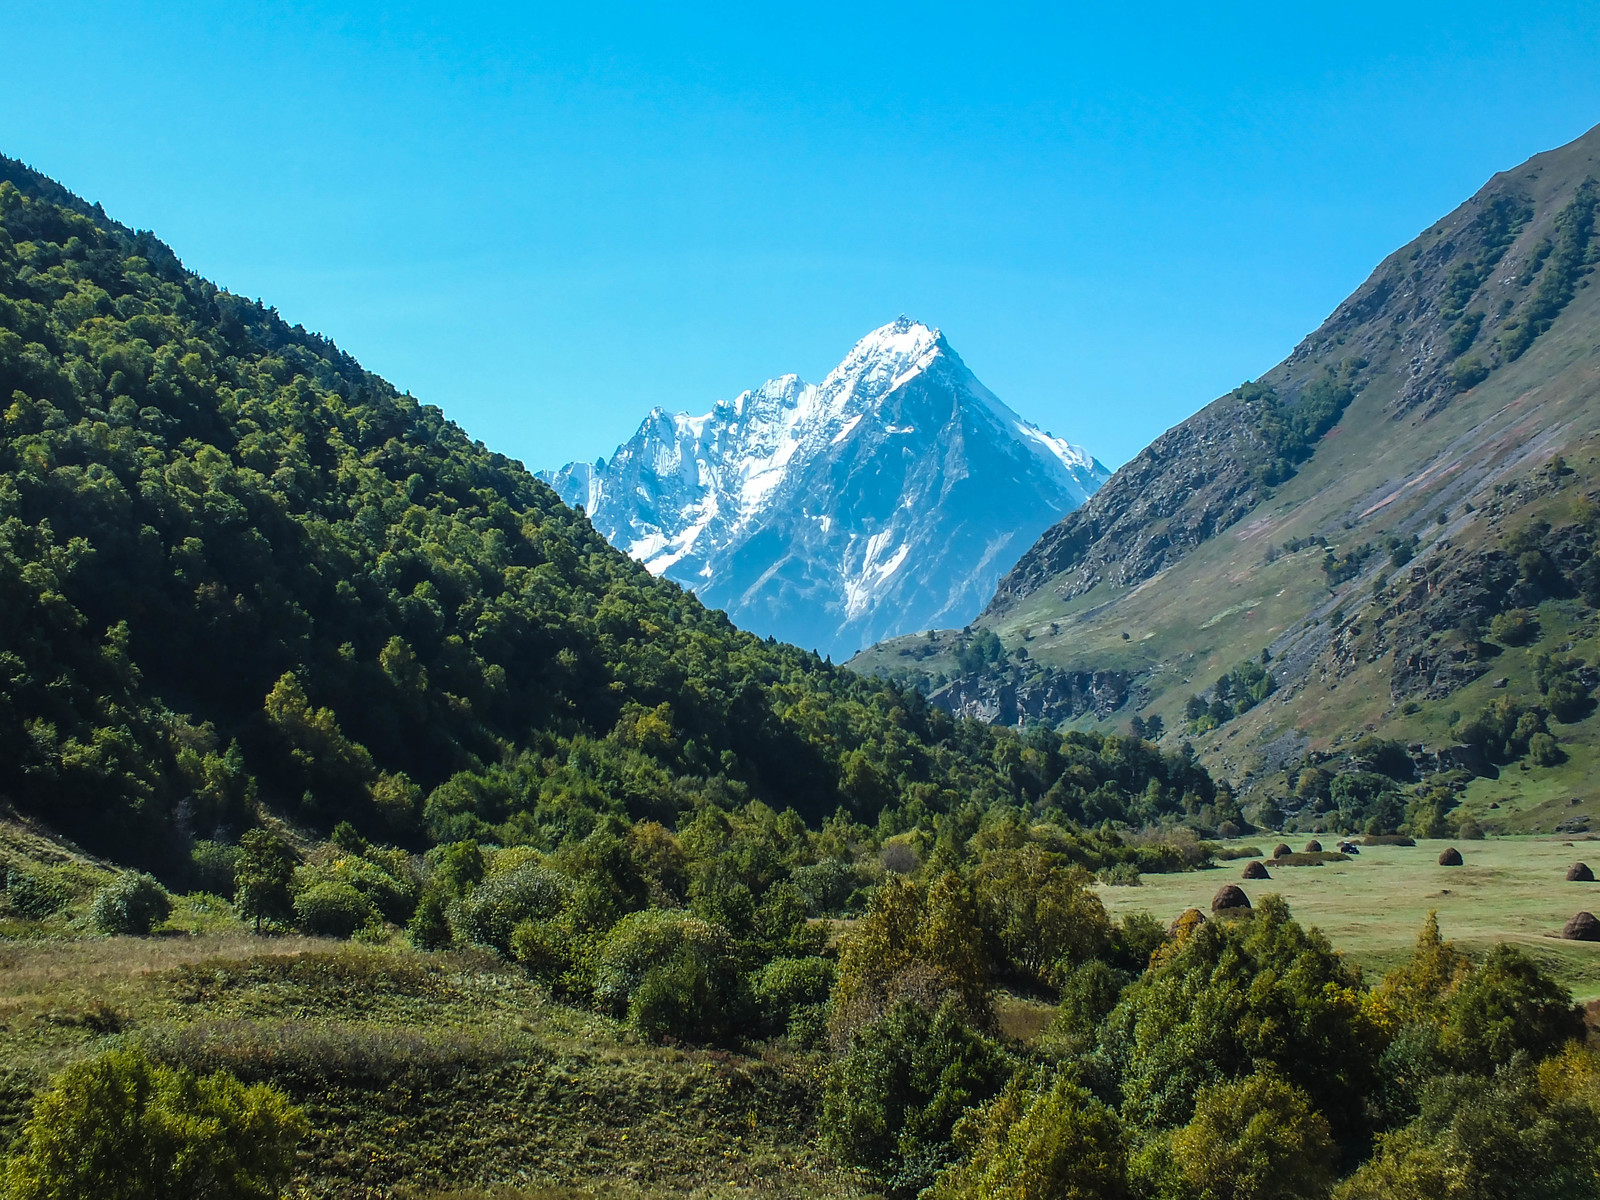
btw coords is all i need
(1037, 908)
(213, 865)
(36, 894)
(1056, 1142)
(490, 913)
(1256, 1138)
(671, 974)
(429, 926)
(261, 878)
(121, 1127)
(131, 903)
(1543, 750)
(1514, 627)
(332, 909)
(891, 1102)
(787, 989)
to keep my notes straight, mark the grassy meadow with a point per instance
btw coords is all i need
(1508, 889)
(423, 1075)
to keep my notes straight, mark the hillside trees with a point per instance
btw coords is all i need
(238, 569)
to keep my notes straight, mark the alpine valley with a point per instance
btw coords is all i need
(371, 826)
(889, 498)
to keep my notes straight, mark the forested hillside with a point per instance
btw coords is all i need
(239, 573)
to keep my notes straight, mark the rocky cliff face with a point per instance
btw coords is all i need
(888, 498)
(1039, 696)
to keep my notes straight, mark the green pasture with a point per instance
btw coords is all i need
(1509, 889)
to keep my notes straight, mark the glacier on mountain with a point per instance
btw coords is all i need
(888, 498)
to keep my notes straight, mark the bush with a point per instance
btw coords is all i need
(892, 1101)
(131, 903)
(36, 895)
(490, 913)
(429, 927)
(121, 1127)
(1256, 1138)
(671, 973)
(212, 867)
(1543, 750)
(332, 909)
(790, 988)
(1057, 1142)
(1514, 627)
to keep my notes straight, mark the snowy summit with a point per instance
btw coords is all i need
(888, 498)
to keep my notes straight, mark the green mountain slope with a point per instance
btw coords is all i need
(1345, 513)
(236, 570)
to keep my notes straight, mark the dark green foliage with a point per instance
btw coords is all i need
(892, 1101)
(791, 995)
(1088, 995)
(671, 974)
(1367, 802)
(1235, 997)
(491, 911)
(1337, 568)
(1464, 332)
(1504, 728)
(1048, 1139)
(1557, 678)
(1514, 627)
(1234, 693)
(120, 1127)
(974, 653)
(132, 903)
(212, 866)
(262, 874)
(1568, 258)
(1507, 1006)
(332, 909)
(36, 894)
(1384, 756)
(1503, 1136)
(1290, 432)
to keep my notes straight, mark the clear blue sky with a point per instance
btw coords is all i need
(548, 219)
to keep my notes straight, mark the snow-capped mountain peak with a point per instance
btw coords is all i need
(888, 498)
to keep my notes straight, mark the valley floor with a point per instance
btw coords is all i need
(1508, 889)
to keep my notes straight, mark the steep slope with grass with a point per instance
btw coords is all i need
(1373, 478)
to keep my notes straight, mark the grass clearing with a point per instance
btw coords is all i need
(1510, 889)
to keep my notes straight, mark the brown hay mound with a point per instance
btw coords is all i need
(1313, 847)
(1450, 857)
(1388, 839)
(1580, 873)
(1310, 860)
(1281, 849)
(1582, 928)
(1255, 871)
(1229, 896)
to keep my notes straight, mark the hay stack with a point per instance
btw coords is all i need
(1582, 928)
(1580, 873)
(1281, 849)
(1313, 847)
(1255, 870)
(1450, 857)
(1229, 896)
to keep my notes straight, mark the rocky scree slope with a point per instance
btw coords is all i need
(888, 498)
